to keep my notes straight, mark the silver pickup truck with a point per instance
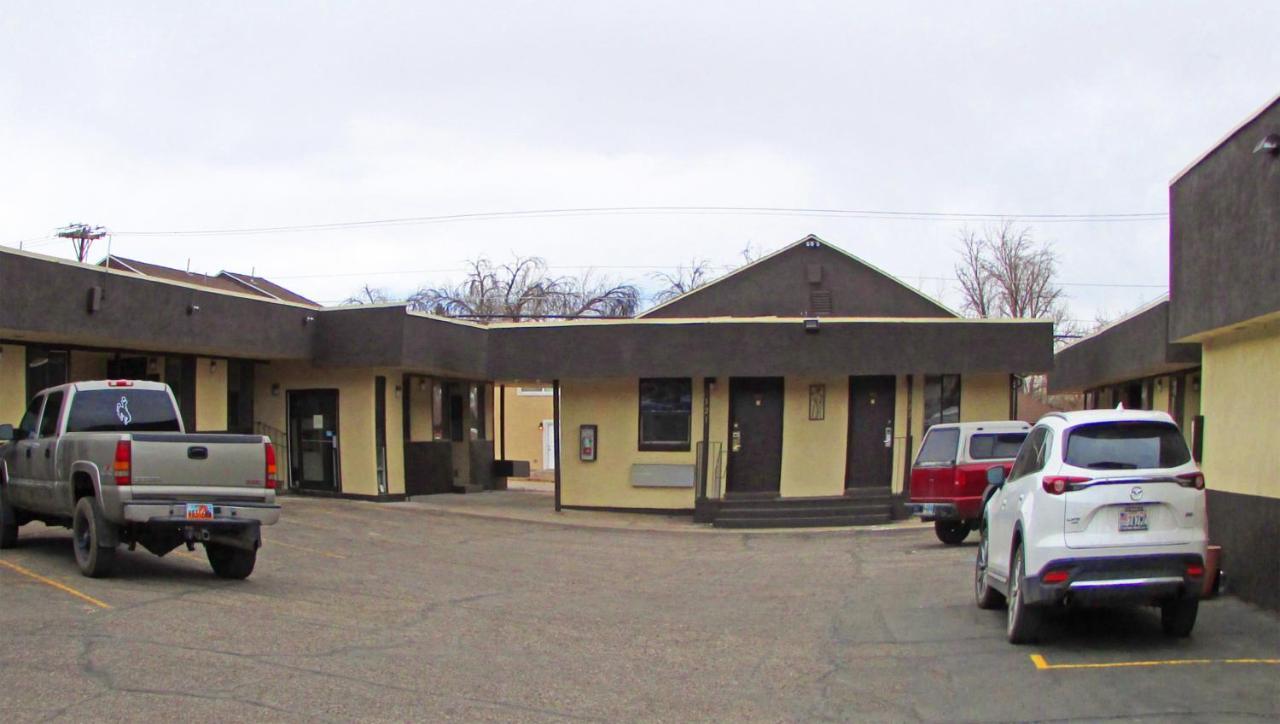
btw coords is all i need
(111, 461)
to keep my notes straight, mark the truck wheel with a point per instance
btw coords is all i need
(88, 527)
(1024, 620)
(8, 521)
(1178, 616)
(986, 596)
(229, 562)
(951, 532)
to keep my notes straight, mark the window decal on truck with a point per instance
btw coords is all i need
(122, 411)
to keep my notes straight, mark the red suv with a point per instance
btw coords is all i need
(949, 477)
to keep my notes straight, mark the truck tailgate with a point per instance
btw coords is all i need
(199, 461)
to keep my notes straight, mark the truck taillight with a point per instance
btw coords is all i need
(124, 463)
(270, 479)
(1059, 484)
(119, 383)
(1191, 480)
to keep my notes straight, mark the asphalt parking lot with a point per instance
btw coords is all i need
(360, 611)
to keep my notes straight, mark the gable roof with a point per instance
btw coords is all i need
(809, 278)
(225, 281)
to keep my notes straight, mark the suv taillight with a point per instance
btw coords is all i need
(124, 462)
(1059, 484)
(270, 480)
(1191, 480)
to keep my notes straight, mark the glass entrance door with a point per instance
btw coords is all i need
(313, 440)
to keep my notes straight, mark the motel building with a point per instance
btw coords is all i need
(794, 391)
(1209, 354)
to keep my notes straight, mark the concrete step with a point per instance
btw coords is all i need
(803, 522)
(805, 512)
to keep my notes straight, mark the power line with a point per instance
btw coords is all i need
(667, 210)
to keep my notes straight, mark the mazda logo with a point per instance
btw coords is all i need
(1136, 493)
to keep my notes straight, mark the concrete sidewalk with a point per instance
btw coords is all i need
(535, 503)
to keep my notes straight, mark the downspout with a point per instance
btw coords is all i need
(705, 452)
(555, 398)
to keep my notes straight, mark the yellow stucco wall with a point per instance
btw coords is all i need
(984, 397)
(524, 417)
(211, 395)
(356, 431)
(814, 451)
(1240, 401)
(613, 405)
(13, 383)
(900, 417)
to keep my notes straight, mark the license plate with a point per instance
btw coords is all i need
(199, 511)
(1133, 517)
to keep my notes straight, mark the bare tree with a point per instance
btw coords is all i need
(683, 280)
(369, 295)
(523, 289)
(1005, 272)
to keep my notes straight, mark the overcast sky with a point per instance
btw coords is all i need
(183, 116)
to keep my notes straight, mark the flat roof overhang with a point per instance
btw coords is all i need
(1133, 348)
(767, 347)
(47, 300)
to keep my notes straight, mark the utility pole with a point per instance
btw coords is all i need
(82, 237)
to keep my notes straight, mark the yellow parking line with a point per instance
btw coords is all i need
(1043, 665)
(304, 549)
(50, 582)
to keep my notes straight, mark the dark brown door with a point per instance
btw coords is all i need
(755, 436)
(870, 450)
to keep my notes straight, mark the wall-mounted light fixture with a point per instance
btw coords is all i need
(213, 365)
(308, 319)
(275, 389)
(192, 309)
(811, 325)
(1269, 144)
(397, 391)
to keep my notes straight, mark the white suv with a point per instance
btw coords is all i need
(1101, 507)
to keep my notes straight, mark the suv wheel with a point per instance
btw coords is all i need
(986, 596)
(951, 532)
(1178, 616)
(8, 520)
(87, 529)
(1024, 620)
(229, 562)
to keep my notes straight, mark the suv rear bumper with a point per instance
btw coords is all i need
(1118, 580)
(946, 508)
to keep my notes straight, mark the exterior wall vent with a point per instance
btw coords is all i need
(819, 302)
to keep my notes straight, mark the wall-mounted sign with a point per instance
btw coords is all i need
(587, 443)
(817, 402)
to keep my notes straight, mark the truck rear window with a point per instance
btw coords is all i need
(1125, 446)
(939, 447)
(122, 410)
(996, 445)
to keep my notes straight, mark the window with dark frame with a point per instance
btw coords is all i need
(666, 407)
(941, 399)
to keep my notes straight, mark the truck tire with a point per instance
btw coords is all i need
(88, 528)
(1024, 620)
(229, 562)
(984, 594)
(8, 520)
(951, 532)
(1178, 616)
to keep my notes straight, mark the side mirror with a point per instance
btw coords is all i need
(6, 433)
(995, 476)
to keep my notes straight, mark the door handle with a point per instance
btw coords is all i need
(888, 436)
(28, 453)
(48, 453)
